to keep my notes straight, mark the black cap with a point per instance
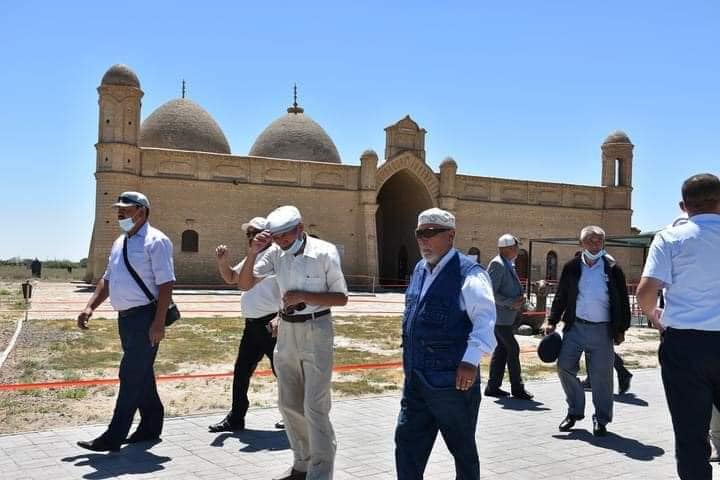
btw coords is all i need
(549, 348)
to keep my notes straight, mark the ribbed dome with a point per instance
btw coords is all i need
(120, 75)
(182, 124)
(295, 136)
(617, 136)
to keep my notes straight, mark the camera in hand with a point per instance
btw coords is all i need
(290, 309)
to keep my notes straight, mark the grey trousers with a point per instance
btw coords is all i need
(715, 430)
(595, 341)
(303, 362)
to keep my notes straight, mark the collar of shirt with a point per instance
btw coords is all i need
(704, 218)
(140, 233)
(599, 261)
(308, 250)
(440, 265)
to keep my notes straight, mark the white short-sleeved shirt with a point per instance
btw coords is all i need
(316, 269)
(686, 259)
(478, 300)
(150, 253)
(261, 300)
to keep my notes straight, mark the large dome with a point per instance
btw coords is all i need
(295, 136)
(182, 124)
(120, 74)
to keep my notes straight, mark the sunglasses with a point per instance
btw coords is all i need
(251, 233)
(429, 232)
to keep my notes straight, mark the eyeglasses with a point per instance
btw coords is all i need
(430, 232)
(251, 233)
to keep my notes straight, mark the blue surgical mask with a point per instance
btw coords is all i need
(296, 246)
(126, 224)
(593, 257)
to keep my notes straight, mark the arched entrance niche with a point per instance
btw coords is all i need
(400, 199)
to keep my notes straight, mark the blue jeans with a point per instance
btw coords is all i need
(424, 410)
(137, 379)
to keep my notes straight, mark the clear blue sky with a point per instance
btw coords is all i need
(522, 89)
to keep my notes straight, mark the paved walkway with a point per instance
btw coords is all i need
(517, 440)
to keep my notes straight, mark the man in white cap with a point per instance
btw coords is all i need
(509, 300)
(260, 307)
(311, 281)
(141, 319)
(447, 326)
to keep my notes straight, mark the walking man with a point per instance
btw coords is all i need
(311, 281)
(447, 326)
(685, 261)
(260, 306)
(592, 301)
(141, 322)
(509, 300)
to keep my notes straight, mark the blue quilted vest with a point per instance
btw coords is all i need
(435, 329)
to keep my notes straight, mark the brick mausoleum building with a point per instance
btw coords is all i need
(200, 192)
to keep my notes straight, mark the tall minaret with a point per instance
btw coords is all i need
(117, 167)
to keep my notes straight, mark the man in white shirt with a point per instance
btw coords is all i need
(311, 281)
(141, 321)
(685, 261)
(260, 306)
(448, 324)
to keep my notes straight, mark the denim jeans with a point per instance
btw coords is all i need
(424, 410)
(137, 379)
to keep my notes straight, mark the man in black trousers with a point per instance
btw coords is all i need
(685, 261)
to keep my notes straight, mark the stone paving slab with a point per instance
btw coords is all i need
(516, 440)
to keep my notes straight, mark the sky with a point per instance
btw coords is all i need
(524, 89)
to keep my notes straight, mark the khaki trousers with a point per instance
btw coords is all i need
(303, 363)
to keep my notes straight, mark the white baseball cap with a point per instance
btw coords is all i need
(283, 219)
(508, 240)
(132, 199)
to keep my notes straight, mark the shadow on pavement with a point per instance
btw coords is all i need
(131, 460)
(630, 399)
(255, 440)
(509, 403)
(627, 446)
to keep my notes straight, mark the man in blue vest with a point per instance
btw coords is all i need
(448, 325)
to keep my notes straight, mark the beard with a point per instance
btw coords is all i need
(430, 258)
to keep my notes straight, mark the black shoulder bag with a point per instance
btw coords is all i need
(173, 313)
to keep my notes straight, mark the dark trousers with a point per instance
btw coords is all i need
(618, 365)
(507, 353)
(690, 363)
(256, 342)
(423, 411)
(138, 390)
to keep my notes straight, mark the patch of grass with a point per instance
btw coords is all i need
(356, 387)
(72, 393)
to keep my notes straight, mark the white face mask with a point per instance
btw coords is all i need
(593, 257)
(126, 224)
(296, 246)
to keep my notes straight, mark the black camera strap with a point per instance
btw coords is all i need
(134, 274)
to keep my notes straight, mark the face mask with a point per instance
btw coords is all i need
(126, 224)
(594, 257)
(296, 246)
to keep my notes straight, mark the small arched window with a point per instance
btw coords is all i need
(551, 266)
(190, 241)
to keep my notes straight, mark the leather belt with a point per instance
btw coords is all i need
(264, 318)
(304, 316)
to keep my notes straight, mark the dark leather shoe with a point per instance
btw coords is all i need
(624, 383)
(291, 474)
(523, 395)
(599, 430)
(586, 384)
(227, 426)
(138, 437)
(280, 425)
(496, 392)
(98, 445)
(569, 422)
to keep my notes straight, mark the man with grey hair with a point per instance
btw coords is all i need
(592, 301)
(447, 326)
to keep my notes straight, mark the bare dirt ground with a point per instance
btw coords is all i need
(51, 348)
